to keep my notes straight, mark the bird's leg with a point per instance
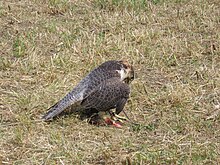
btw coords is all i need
(116, 117)
(108, 119)
(121, 117)
(119, 107)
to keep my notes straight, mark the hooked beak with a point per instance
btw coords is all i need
(130, 78)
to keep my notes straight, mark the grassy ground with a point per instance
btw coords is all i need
(46, 47)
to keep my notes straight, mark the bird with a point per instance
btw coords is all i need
(103, 89)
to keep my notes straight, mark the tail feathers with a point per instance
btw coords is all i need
(72, 99)
(52, 112)
(60, 106)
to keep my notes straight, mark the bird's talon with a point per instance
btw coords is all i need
(120, 118)
(117, 125)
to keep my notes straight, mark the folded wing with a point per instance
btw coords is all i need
(110, 94)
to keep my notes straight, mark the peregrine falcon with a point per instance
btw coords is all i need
(104, 88)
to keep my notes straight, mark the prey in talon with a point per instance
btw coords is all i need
(103, 89)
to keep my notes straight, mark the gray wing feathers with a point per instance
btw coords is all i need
(69, 100)
(107, 95)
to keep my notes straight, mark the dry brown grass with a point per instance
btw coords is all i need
(46, 47)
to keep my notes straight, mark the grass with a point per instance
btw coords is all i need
(46, 48)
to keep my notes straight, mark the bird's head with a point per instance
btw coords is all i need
(123, 69)
(126, 72)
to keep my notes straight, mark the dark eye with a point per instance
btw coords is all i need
(132, 76)
(125, 66)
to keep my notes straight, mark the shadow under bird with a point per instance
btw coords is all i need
(104, 88)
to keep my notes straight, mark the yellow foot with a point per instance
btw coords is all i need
(116, 117)
(121, 117)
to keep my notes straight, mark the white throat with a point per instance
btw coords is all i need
(123, 74)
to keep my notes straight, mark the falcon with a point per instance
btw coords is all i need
(103, 89)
